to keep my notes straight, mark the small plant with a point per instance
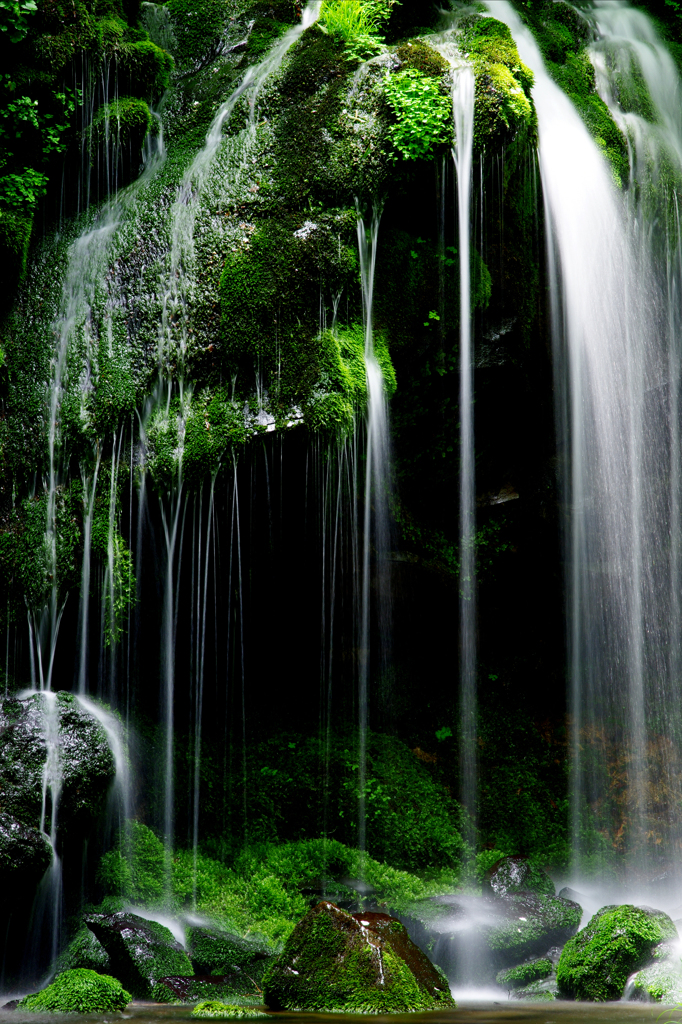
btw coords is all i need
(423, 114)
(79, 991)
(357, 23)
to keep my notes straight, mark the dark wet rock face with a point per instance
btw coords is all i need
(473, 937)
(516, 874)
(25, 853)
(141, 952)
(595, 965)
(85, 762)
(86, 769)
(363, 963)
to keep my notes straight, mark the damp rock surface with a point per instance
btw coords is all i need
(141, 952)
(472, 938)
(25, 853)
(516, 874)
(353, 963)
(617, 941)
(217, 952)
(84, 950)
(83, 760)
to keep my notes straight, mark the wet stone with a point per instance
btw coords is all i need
(362, 963)
(141, 952)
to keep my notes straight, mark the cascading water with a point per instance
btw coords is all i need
(376, 530)
(613, 356)
(463, 109)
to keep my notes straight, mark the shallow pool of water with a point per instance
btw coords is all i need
(470, 1012)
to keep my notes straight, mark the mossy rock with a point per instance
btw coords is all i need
(87, 765)
(125, 122)
(214, 1010)
(79, 991)
(419, 55)
(216, 952)
(524, 974)
(362, 963)
(84, 951)
(659, 982)
(141, 952)
(25, 854)
(492, 932)
(135, 868)
(618, 940)
(503, 110)
(226, 988)
(511, 875)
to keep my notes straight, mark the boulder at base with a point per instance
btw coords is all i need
(595, 964)
(141, 952)
(511, 875)
(216, 952)
(79, 991)
(353, 963)
(473, 937)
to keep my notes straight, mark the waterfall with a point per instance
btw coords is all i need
(463, 110)
(376, 529)
(613, 359)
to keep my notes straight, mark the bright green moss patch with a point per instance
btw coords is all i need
(503, 108)
(595, 964)
(79, 991)
(214, 1010)
(419, 55)
(134, 869)
(126, 121)
(524, 974)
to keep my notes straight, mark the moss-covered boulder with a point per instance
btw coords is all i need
(353, 963)
(617, 941)
(526, 973)
(516, 874)
(223, 988)
(474, 937)
(217, 952)
(659, 982)
(86, 764)
(79, 991)
(84, 951)
(141, 952)
(25, 853)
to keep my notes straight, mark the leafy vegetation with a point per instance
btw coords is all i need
(423, 113)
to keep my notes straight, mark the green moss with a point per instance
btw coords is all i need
(144, 68)
(595, 964)
(212, 1009)
(330, 963)
(125, 122)
(79, 991)
(659, 982)
(503, 109)
(141, 952)
(524, 974)
(419, 55)
(562, 35)
(15, 236)
(135, 868)
(84, 951)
